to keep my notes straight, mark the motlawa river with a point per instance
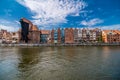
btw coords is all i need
(60, 63)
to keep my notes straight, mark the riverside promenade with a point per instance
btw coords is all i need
(57, 45)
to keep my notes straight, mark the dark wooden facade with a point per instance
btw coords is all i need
(29, 33)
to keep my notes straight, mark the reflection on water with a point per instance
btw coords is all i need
(60, 63)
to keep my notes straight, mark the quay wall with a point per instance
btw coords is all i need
(55, 45)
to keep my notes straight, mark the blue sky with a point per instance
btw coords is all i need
(48, 14)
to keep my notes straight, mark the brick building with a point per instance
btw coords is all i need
(62, 35)
(45, 36)
(6, 36)
(15, 37)
(56, 36)
(111, 36)
(69, 35)
(34, 35)
(29, 33)
(52, 36)
(59, 35)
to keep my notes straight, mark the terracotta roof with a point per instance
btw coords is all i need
(26, 20)
(117, 31)
(113, 31)
(45, 31)
(106, 31)
(34, 28)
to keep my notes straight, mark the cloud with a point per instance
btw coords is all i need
(110, 27)
(92, 22)
(51, 12)
(8, 28)
(9, 25)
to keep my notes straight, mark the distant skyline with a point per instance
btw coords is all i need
(48, 14)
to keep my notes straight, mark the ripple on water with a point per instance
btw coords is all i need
(60, 63)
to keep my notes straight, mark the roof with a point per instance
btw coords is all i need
(45, 31)
(26, 20)
(113, 31)
(34, 28)
(117, 31)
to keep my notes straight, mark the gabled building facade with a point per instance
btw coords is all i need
(29, 33)
(44, 36)
(56, 36)
(111, 36)
(69, 35)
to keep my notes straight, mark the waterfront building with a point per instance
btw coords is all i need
(76, 40)
(56, 36)
(34, 35)
(62, 35)
(84, 35)
(92, 36)
(15, 37)
(0, 37)
(69, 35)
(89, 35)
(59, 35)
(29, 32)
(44, 36)
(98, 34)
(52, 36)
(26, 25)
(104, 35)
(49, 37)
(6, 36)
(111, 36)
(79, 35)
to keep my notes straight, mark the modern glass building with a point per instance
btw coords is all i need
(55, 36)
(43, 38)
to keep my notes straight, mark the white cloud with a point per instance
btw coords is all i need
(110, 27)
(8, 28)
(46, 12)
(9, 25)
(91, 22)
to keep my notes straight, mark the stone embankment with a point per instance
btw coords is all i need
(55, 45)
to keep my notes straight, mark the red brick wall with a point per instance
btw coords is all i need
(59, 35)
(52, 36)
(69, 35)
(113, 38)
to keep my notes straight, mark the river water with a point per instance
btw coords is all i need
(60, 63)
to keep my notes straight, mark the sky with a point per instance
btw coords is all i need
(49, 14)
